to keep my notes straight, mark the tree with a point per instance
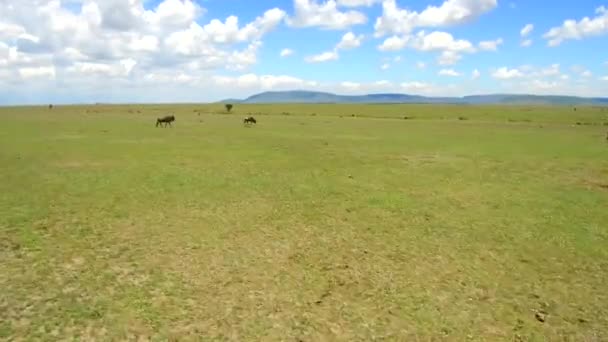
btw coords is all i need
(228, 107)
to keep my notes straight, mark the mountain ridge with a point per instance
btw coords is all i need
(305, 96)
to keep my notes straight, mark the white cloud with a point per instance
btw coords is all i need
(349, 41)
(420, 65)
(505, 73)
(385, 66)
(397, 59)
(440, 41)
(383, 83)
(449, 72)
(351, 85)
(120, 69)
(586, 27)
(581, 71)
(526, 30)
(393, 43)
(358, 3)
(429, 89)
(309, 13)
(526, 43)
(448, 58)
(490, 45)
(229, 32)
(102, 45)
(414, 86)
(323, 57)
(552, 70)
(286, 52)
(475, 74)
(437, 41)
(547, 74)
(263, 82)
(605, 78)
(47, 72)
(395, 20)
(539, 84)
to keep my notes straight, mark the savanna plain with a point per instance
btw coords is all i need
(318, 223)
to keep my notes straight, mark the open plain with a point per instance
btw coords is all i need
(318, 223)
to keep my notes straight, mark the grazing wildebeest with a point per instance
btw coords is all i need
(249, 120)
(165, 120)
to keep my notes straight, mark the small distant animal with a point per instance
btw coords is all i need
(165, 120)
(249, 120)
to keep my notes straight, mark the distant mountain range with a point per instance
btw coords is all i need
(302, 96)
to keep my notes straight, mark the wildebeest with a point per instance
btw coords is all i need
(249, 119)
(165, 120)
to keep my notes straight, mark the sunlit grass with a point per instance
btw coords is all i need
(311, 225)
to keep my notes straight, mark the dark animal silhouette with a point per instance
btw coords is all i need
(165, 120)
(249, 120)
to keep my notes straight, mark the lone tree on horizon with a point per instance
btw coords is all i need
(229, 107)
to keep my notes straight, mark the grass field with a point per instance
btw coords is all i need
(459, 223)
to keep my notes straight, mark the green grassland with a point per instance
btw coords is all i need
(320, 223)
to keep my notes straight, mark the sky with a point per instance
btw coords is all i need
(86, 51)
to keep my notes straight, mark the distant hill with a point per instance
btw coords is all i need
(303, 96)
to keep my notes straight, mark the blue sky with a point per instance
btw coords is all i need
(205, 50)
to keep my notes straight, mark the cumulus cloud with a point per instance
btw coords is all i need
(310, 13)
(349, 41)
(394, 43)
(448, 58)
(581, 71)
(323, 57)
(475, 74)
(526, 43)
(351, 85)
(451, 49)
(490, 45)
(286, 52)
(47, 72)
(121, 38)
(548, 74)
(572, 29)
(552, 70)
(395, 20)
(263, 82)
(505, 73)
(358, 3)
(442, 41)
(449, 72)
(526, 30)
